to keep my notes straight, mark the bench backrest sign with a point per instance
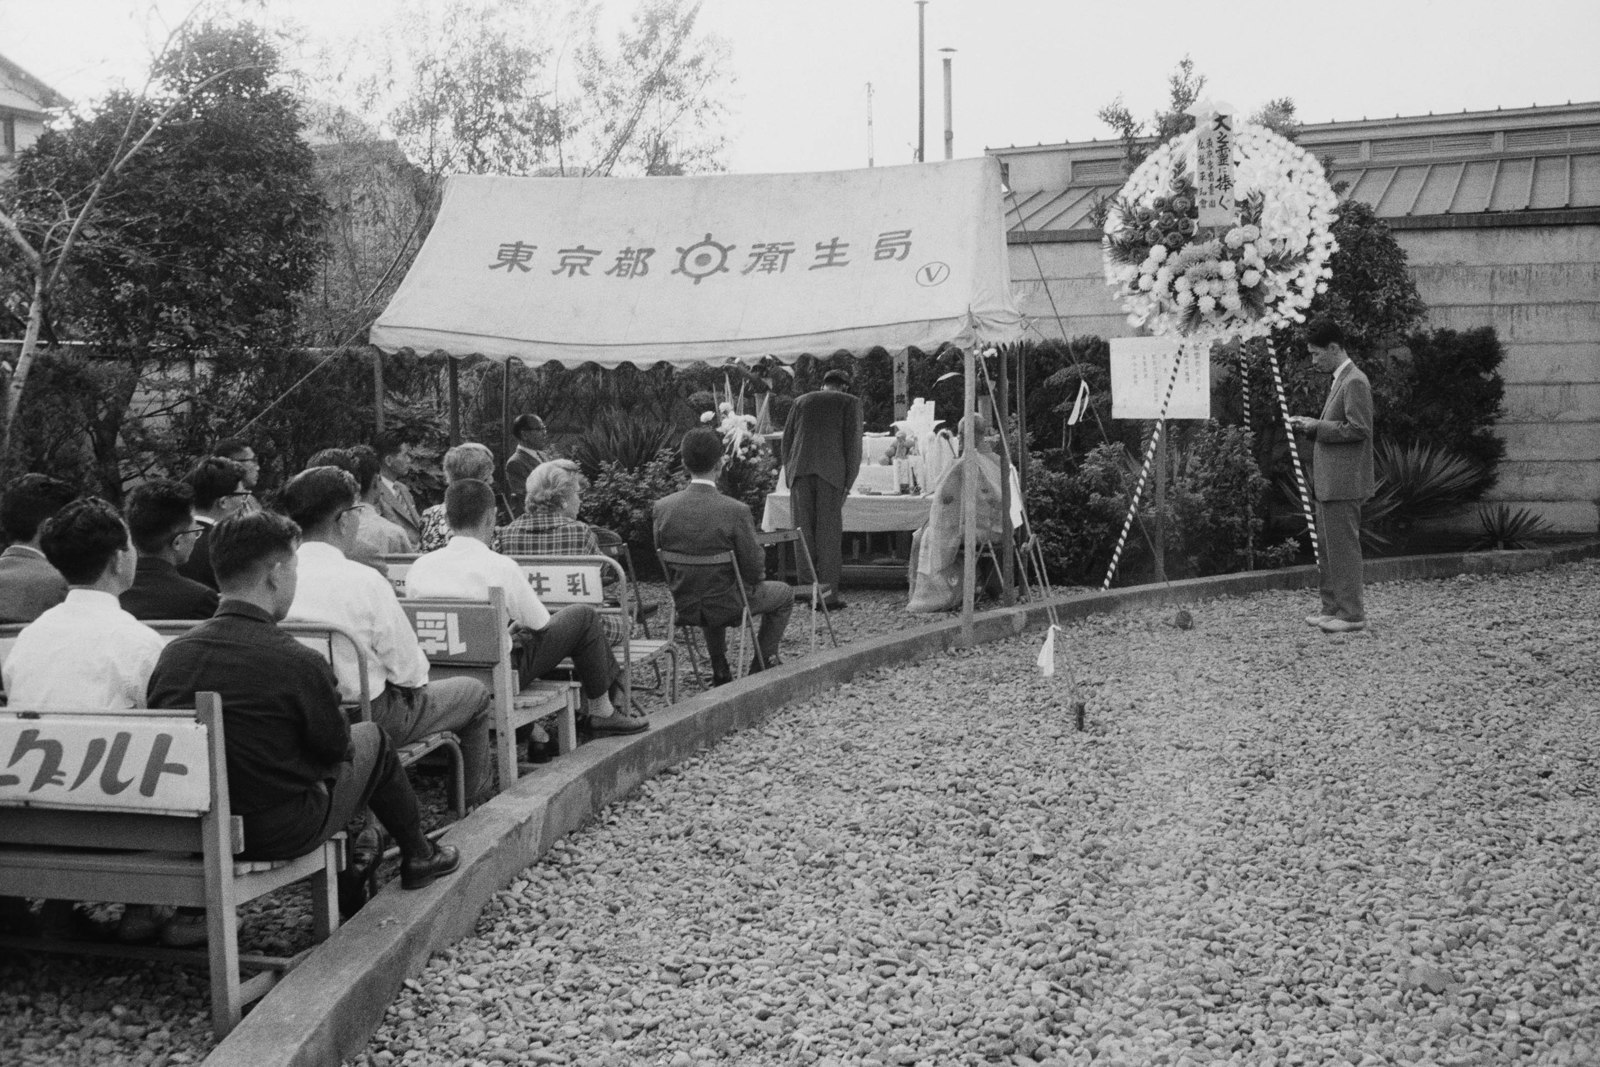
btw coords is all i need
(104, 762)
(462, 632)
(560, 584)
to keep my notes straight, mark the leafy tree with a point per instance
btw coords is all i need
(505, 86)
(201, 234)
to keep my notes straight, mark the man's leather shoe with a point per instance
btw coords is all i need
(772, 661)
(1343, 626)
(541, 751)
(419, 874)
(835, 604)
(616, 723)
(1317, 620)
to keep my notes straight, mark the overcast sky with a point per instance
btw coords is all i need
(1026, 71)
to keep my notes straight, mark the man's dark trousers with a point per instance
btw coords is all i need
(819, 515)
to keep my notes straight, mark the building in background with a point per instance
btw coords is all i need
(1499, 214)
(25, 103)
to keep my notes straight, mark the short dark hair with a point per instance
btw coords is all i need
(229, 447)
(837, 376)
(1323, 331)
(466, 501)
(333, 457)
(28, 501)
(156, 512)
(701, 448)
(525, 422)
(82, 538)
(314, 496)
(388, 443)
(212, 479)
(242, 542)
(364, 458)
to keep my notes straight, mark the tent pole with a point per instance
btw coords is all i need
(1008, 593)
(454, 384)
(1022, 420)
(969, 497)
(505, 413)
(377, 390)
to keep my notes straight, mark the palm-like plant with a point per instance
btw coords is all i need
(1504, 528)
(1415, 482)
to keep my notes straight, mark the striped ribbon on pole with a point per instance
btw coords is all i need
(1244, 384)
(1144, 470)
(1294, 450)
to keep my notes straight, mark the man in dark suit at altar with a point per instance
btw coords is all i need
(821, 458)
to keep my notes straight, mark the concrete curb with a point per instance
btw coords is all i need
(326, 1009)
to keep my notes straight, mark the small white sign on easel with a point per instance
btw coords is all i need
(1142, 369)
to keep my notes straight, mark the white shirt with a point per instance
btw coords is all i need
(341, 592)
(85, 652)
(466, 568)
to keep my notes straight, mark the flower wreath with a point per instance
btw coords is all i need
(1246, 280)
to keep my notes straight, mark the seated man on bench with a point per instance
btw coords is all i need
(87, 652)
(334, 590)
(468, 566)
(297, 771)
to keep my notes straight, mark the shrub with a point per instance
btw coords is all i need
(1076, 517)
(620, 499)
(1448, 393)
(1217, 497)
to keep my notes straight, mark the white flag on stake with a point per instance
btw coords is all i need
(1080, 405)
(1047, 654)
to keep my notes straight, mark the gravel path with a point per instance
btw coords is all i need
(1270, 847)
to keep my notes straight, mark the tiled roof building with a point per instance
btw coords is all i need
(1499, 214)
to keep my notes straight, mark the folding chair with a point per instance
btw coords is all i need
(779, 538)
(747, 623)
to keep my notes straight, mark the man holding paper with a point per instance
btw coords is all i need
(1342, 475)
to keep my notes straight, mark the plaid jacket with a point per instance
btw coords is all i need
(548, 533)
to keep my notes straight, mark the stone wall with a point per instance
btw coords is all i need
(1538, 286)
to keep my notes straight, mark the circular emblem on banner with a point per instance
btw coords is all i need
(931, 274)
(703, 259)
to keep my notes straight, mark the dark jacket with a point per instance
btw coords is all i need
(823, 437)
(699, 521)
(1341, 457)
(198, 566)
(284, 733)
(29, 586)
(160, 592)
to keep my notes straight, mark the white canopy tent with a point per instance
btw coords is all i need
(710, 268)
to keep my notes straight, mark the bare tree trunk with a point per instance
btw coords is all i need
(25, 357)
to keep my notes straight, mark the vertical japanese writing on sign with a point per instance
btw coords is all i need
(1214, 166)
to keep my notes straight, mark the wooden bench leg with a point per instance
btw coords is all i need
(567, 724)
(222, 949)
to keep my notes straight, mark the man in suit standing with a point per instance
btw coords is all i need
(1342, 476)
(821, 458)
(29, 585)
(394, 497)
(698, 520)
(533, 450)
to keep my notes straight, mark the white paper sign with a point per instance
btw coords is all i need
(106, 762)
(1141, 370)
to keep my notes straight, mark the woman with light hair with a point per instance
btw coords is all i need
(549, 525)
(470, 460)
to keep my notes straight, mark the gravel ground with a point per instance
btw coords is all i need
(64, 1009)
(1270, 847)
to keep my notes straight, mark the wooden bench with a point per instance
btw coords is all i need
(132, 806)
(561, 581)
(471, 638)
(322, 638)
